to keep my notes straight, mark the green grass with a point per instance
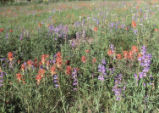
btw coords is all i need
(36, 33)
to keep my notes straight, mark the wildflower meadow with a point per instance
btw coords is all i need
(79, 56)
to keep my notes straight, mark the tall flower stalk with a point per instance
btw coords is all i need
(116, 89)
(102, 70)
(145, 62)
(74, 77)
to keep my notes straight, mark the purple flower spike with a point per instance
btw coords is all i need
(145, 62)
(116, 89)
(55, 81)
(1, 78)
(75, 80)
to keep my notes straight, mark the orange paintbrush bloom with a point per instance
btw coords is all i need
(130, 55)
(58, 54)
(19, 76)
(95, 29)
(53, 70)
(23, 67)
(83, 59)
(68, 70)
(59, 62)
(133, 24)
(94, 60)
(40, 25)
(125, 53)
(10, 30)
(38, 78)
(139, 55)
(110, 52)
(41, 72)
(87, 50)
(30, 63)
(43, 58)
(35, 62)
(58, 59)
(10, 56)
(156, 30)
(1, 29)
(134, 49)
(119, 57)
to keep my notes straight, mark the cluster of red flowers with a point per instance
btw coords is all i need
(130, 55)
(2, 29)
(44, 62)
(84, 59)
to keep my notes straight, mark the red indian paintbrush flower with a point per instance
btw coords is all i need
(134, 49)
(95, 29)
(87, 50)
(10, 56)
(119, 57)
(10, 30)
(125, 53)
(41, 72)
(30, 63)
(1, 29)
(130, 55)
(133, 24)
(94, 60)
(58, 60)
(53, 70)
(83, 59)
(43, 58)
(38, 78)
(110, 52)
(58, 54)
(19, 77)
(23, 67)
(68, 70)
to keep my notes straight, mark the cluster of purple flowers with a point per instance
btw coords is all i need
(55, 81)
(145, 61)
(116, 89)
(117, 25)
(102, 70)
(59, 31)
(74, 77)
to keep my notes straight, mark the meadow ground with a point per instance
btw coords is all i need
(80, 57)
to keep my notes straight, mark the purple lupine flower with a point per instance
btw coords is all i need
(7, 36)
(102, 70)
(135, 31)
(77, 24)
(103, 62)
(112, 47)
(145, 62)
(1, 79)
(111, 25)
(74, 77)
(21, 36)
(122, 26)
(101, 77)
(73, 44)
(55, 81)
(116, 88)
(51, 28)
(136, 77)
(77, 35)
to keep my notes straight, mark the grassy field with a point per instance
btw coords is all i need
(80, 57)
